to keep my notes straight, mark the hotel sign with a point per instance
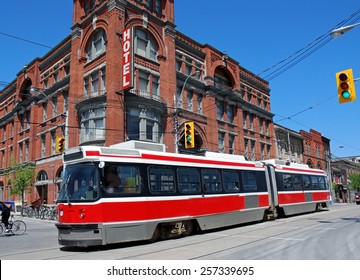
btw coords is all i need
(127, 59)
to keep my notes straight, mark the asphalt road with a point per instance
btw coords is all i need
(325, 235)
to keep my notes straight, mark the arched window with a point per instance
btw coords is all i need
(145, 44)
(96, 45)
(222, 79)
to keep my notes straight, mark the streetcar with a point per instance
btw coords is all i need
(137, 191)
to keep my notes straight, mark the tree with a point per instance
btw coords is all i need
(21, 177)
(354, 182)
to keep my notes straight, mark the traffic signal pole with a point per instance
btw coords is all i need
(176, 126)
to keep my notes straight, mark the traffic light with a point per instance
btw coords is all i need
(60, 144)
(189, 135)
(345, 86)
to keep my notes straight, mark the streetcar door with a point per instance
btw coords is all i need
(272, 186)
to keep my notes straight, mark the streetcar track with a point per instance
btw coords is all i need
(318, 222)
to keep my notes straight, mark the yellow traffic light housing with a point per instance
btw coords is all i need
(60, 144)
(189, 135)
(345, 86)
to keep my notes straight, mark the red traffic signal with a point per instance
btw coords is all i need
(60, 144)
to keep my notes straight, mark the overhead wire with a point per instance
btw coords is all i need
(298, 56)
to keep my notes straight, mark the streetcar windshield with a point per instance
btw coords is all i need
(80, 183)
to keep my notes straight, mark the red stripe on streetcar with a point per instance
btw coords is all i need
(130, 211)
(195, 160)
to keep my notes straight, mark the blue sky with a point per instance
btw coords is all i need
(257, 34)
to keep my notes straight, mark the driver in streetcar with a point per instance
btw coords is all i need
(112, 179)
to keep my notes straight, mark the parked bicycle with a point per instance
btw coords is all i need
(15, 227)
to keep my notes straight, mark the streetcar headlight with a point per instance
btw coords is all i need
(61, 213)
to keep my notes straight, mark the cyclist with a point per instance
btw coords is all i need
(5, 214)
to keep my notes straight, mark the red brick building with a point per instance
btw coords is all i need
(316, 149)
(126, 73)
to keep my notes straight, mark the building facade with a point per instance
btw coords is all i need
(316, 149)
(125, 73)
(289, 144)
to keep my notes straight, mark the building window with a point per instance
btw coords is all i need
(54, 107)
(4, 129)
(144, 81)
(93, 80)
(3, 158)
(27, 150)
(144, 124)
(103, 81)
(44, 112)
(253, 150)
(179, 62)
(56, 76)
(231, 144)
(251, 122)
(219, 110)
(262, 151)
(230, 113)
(21, 152)
(244, 119)
(53, 142)
(145, 44)
(179, 102)
(155, 82)
(89, 5)
(94, 84)
(246, 148)
(43, 145)
(189, 97)
(222, 79)
(261, 123)
(221, 140)
(93, 125)
(96, 45)
(199, 104)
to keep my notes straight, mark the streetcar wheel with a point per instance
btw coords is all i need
(189, 228)
(18, 227)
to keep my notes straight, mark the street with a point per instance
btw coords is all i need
(325, 235)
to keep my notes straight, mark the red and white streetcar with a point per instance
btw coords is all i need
(137, 191)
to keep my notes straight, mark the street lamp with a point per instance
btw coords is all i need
(341, 30)
(176, 127)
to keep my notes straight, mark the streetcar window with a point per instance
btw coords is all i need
(315, 182)
(249, 181)
(80, 182)
(211, 180)
(297, 182)
(322, 183)
(122, 179)
(287, 182)
(231, 181)
(130, 179)
(306, 182)
(161, 179)
(189, 180)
